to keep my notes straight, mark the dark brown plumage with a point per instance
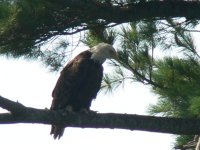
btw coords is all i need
(79, 83)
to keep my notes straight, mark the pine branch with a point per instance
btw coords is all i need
(22, 114)
(143, 78)
(74, 15)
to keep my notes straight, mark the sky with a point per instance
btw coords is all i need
(31, 83)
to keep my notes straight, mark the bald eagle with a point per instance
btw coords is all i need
(80, 81)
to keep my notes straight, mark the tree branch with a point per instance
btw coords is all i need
(134, 11)
(21, 114)
(74, 16)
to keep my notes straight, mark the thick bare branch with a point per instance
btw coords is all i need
(24, 114)
(11, 106)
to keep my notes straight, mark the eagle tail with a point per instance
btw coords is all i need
(57, 131)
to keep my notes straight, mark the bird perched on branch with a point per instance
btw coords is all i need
(80, 81)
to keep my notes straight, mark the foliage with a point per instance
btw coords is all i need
(180, 81)
(183, 140)
(174, 78)
(98, 33)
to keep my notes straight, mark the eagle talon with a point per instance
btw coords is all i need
(87, 111)
(94, 112)
(69, 108)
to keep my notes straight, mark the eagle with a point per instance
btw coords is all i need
(80, 81)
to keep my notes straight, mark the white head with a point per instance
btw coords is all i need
(103, 51)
